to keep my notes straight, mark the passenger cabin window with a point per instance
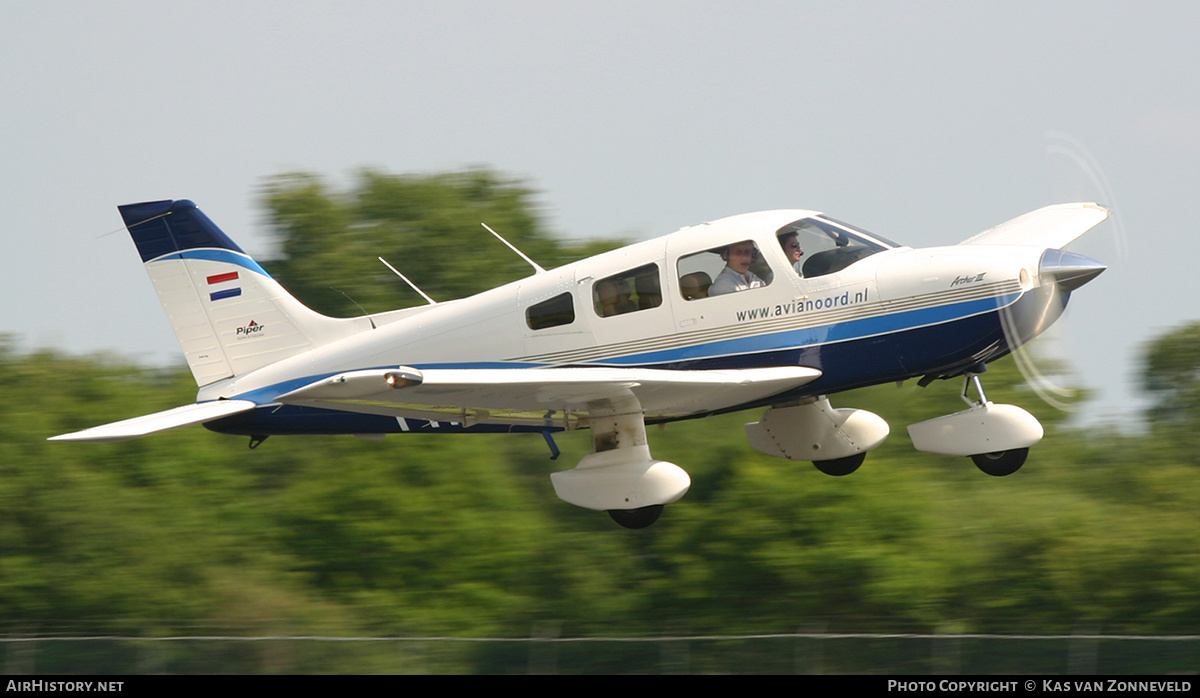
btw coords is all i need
(735, 267)
(627, 292)
(559, 310)
(815, 247)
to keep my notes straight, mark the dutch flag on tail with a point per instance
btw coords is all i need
(219, 287)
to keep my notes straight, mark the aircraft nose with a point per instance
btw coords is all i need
(1068, 270)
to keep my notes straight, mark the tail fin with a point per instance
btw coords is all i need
(229, 315)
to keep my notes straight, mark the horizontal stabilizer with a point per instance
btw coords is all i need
(159, 421)
(1052, 226)
(524, 396)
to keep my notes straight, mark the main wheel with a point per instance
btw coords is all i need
(840, 466)
(1001, 463)
(636, 518)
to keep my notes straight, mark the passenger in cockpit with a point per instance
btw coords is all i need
(614, 297)
(736, 276)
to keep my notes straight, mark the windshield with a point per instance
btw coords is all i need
(816, 247)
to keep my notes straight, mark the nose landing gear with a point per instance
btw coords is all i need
(996, 437)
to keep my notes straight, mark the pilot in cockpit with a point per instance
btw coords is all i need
(794, 252)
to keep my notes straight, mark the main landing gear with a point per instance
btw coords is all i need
(620, 476)
(636, 518)
(840, 466)
(1001, 463)
(996, 437)
(835, 440)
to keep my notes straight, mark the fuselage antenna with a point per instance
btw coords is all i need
(532, 263)
(405, 278)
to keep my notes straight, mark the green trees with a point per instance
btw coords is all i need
(427, 226)
(428, 535)
(1171, 377)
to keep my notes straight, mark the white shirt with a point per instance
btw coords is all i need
(729, 281)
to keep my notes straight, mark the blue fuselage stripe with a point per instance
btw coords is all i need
(825, 334)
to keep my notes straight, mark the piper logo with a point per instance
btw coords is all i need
(249, 330)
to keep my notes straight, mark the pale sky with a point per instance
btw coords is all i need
(924, 121)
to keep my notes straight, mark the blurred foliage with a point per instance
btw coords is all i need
(427, 226)
(423, 535)
(1171, 377)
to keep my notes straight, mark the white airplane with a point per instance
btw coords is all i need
(775, 309)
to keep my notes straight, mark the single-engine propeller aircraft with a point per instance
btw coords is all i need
(776, 309)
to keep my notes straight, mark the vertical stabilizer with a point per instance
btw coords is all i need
(229, 315)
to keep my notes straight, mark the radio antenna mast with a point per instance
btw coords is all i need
(532, 263)
(405, 278)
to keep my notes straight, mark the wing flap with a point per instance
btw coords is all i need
(1052, 226)
(159, 421)
(524, 396)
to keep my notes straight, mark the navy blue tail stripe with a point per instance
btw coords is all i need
(163, 227)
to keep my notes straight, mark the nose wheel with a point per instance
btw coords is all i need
(995, 437)
(996, 463)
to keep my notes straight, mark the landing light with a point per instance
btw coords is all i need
(404, 377)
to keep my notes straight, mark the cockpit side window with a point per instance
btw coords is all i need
(735, 267)
(815, 247)
(628, 292)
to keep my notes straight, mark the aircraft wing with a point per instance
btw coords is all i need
(159, 421)
(542, 396)
(1053, 226)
